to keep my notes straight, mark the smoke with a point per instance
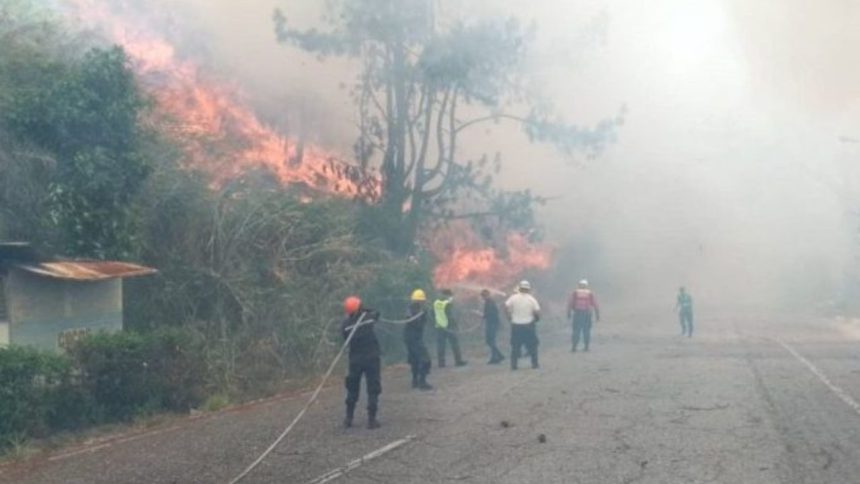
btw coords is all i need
(728, 177)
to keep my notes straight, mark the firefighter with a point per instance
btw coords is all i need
(491, 327)
(684, 306)
(524, 313)
(446, 328)
(364, 359)
(413, 336)
(580, 307)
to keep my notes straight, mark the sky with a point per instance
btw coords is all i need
(733, 173)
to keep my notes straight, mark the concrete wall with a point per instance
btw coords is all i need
(42, 308)
(4, 320)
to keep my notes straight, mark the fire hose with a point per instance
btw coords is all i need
(352, 329)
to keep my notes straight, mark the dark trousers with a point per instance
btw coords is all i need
(419, 359)
(443, 337)
(581, 328)
(370, 369)
(686, 318)
(524, 335)
(490, 337)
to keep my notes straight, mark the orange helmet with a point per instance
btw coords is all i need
(351, 305)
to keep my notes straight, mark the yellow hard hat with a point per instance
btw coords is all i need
(418, 295)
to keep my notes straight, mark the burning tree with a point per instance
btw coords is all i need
(421, 87)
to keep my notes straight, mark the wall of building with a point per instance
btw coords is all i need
(43, 310)
(4, 318)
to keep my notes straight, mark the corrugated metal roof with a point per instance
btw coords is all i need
(87, 270)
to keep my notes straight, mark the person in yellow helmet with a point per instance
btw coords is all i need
(413, 336)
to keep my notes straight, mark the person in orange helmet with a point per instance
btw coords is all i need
(364, 359)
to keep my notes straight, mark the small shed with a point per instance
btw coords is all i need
(49, 303)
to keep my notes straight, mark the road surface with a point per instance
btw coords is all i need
(748, 399)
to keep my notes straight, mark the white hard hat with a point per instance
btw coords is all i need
(584, 282)
(525, 285)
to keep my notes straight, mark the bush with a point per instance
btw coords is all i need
(128, 374)
(35, 394)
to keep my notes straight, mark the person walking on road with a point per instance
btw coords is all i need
(580, 308)
(413, 336)
(491, 327)
(524, 313)
(446, 328)
(684, 307)
(364, 359)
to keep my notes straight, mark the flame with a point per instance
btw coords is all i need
(220, 133)
(465, 258)
(223, 137)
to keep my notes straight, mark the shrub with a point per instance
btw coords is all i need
(128, 374)
(33, 386)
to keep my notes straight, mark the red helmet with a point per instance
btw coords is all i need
(351, 305)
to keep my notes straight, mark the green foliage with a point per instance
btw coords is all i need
(260, 274)
(128, 374)
(105, 378)
(34, 387)
(85, 117)
(216, 402)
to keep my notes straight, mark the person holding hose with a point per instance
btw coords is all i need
(580, 307)
(364, 359)
(446, 328)
(491, 327)
(413, 336)
(684, 306)
(524, 313)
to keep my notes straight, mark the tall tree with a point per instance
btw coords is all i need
(421, 87)
(86, 116)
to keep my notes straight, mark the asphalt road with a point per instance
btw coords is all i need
(749, 399)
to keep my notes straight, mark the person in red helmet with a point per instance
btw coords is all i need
(364, 359)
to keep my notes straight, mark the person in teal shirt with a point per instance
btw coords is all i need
(684, 306)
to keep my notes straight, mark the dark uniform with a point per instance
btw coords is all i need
(491, 329)
(417, 354)
(364, 359)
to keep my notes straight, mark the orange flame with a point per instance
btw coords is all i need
(223, 137)
(464, 258)
(219, 132)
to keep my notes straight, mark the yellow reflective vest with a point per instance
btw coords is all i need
(439, 307)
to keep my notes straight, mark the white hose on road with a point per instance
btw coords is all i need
(305, 409)
(316, 393)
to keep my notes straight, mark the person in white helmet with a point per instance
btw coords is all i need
(580, 307)
(524, 313)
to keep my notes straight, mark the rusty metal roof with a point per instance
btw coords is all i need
(87, 270)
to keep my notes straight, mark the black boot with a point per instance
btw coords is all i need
(350, 412)
(415, 380)
(372, 423)
(422, 383)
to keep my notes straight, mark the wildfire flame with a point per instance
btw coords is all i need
(224, 138)
(465, 258)
(221, 134)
